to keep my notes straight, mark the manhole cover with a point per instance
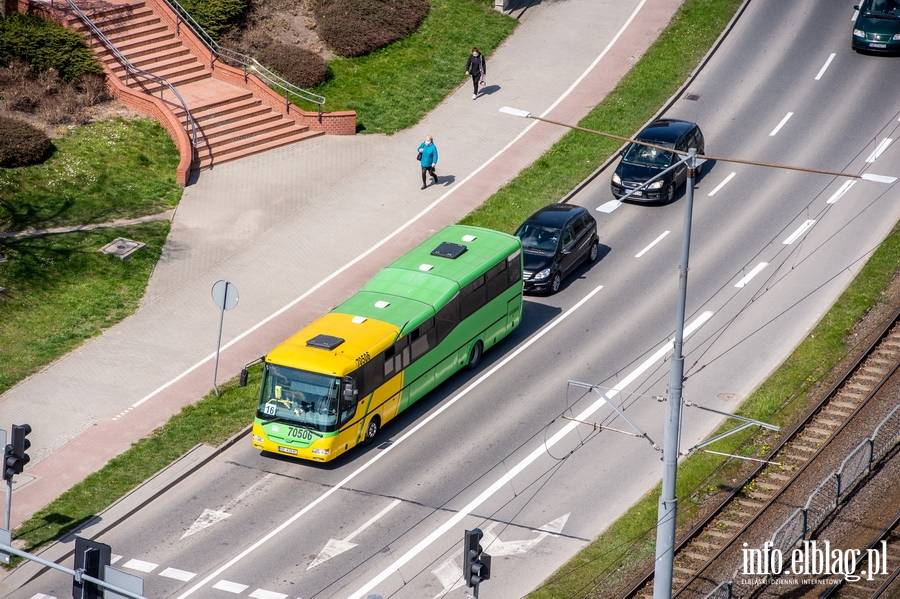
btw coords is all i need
(728, 397)
(122, 247)
(693, 97)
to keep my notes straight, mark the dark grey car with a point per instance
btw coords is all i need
(640, 163)
(555, 240)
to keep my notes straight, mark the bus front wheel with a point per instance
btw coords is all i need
(475, 355)
(371, 431)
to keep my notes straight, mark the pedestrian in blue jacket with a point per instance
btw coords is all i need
(428, 157)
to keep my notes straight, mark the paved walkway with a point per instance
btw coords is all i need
(299, 228)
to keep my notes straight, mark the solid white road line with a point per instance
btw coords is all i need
(756, 270)
(825, 66)
(510, 473)
(800, 230)
(781, 124)
(841, 191)
(402, 227)
(721, 185)
(652, 243)
(386, 451)
(879, 150)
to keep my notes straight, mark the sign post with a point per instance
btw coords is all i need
(225, 296)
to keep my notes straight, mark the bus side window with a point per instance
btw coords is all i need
(497, 280)
(422, 339)
(515, 268)
(472, 297)
(446, 319)
(371, 376)
(396, 357)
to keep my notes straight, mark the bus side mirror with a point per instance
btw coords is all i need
(244, 374)
(349, 390)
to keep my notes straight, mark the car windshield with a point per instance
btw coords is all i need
(538, 238)
(638, 154)
(299, 397)
(888, 8)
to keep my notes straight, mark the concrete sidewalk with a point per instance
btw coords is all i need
(299, 228)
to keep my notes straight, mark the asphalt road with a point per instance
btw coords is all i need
(490, 448)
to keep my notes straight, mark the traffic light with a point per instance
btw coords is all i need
(91, 558)
(476, 563)
(14, 456)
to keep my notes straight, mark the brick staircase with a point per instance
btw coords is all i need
(235, 113)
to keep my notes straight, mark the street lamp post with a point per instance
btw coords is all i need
(666, 523)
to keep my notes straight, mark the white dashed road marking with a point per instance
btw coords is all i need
(652, 243)
(841, 191)
(781, 124)
(177, 574)
(800, 231)
(140, 565)
(825, 66)
(879, 150)
(231, 587)
(721, 185)
(756, 270)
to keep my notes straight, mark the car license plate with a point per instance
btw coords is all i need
(288, 450)
(871, 45)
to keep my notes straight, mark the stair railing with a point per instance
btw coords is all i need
(246, 63)
(137, 74)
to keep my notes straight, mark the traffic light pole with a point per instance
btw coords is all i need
(8, 504)
(78, 575)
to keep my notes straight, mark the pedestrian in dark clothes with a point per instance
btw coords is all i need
(428, 159)
(477, 68)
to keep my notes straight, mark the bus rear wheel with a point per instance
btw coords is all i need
(475, 355)
(371, 430)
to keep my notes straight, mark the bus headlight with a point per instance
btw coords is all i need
(257, 439)
(317, 451)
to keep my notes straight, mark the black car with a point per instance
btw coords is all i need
(555, 240)
(877, 27)
(640, 163)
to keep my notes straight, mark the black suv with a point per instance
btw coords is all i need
(555, 240)
(640, 163)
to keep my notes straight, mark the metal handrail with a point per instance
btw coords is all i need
(247, 62)
(131, 70)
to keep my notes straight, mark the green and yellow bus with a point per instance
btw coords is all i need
(431, 312)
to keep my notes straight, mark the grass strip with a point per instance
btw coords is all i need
(395, 87)
(212, 420)
(639, 95)
(628, 546)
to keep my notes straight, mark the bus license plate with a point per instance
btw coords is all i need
(288, 450)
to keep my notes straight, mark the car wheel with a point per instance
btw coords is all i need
(372, 430)
(594, 251)
(555, 283)
(670, 193)
(475, 356)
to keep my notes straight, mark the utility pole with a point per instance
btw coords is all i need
(665, 530)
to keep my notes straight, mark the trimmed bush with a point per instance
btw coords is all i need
(22, 144)
(44, 45)
(302, 67)
(216, 16)
(357, 27)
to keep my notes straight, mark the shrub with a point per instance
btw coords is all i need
(44, 45)
(302, 67)
(22, 144)
(357, 27)
(216, 16)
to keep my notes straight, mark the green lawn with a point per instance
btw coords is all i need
(393, 88)
(629, 542)
(60, 290)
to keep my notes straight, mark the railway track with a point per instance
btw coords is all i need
(864, 588)
(699, 549)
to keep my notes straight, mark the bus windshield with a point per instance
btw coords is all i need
(299, 397)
